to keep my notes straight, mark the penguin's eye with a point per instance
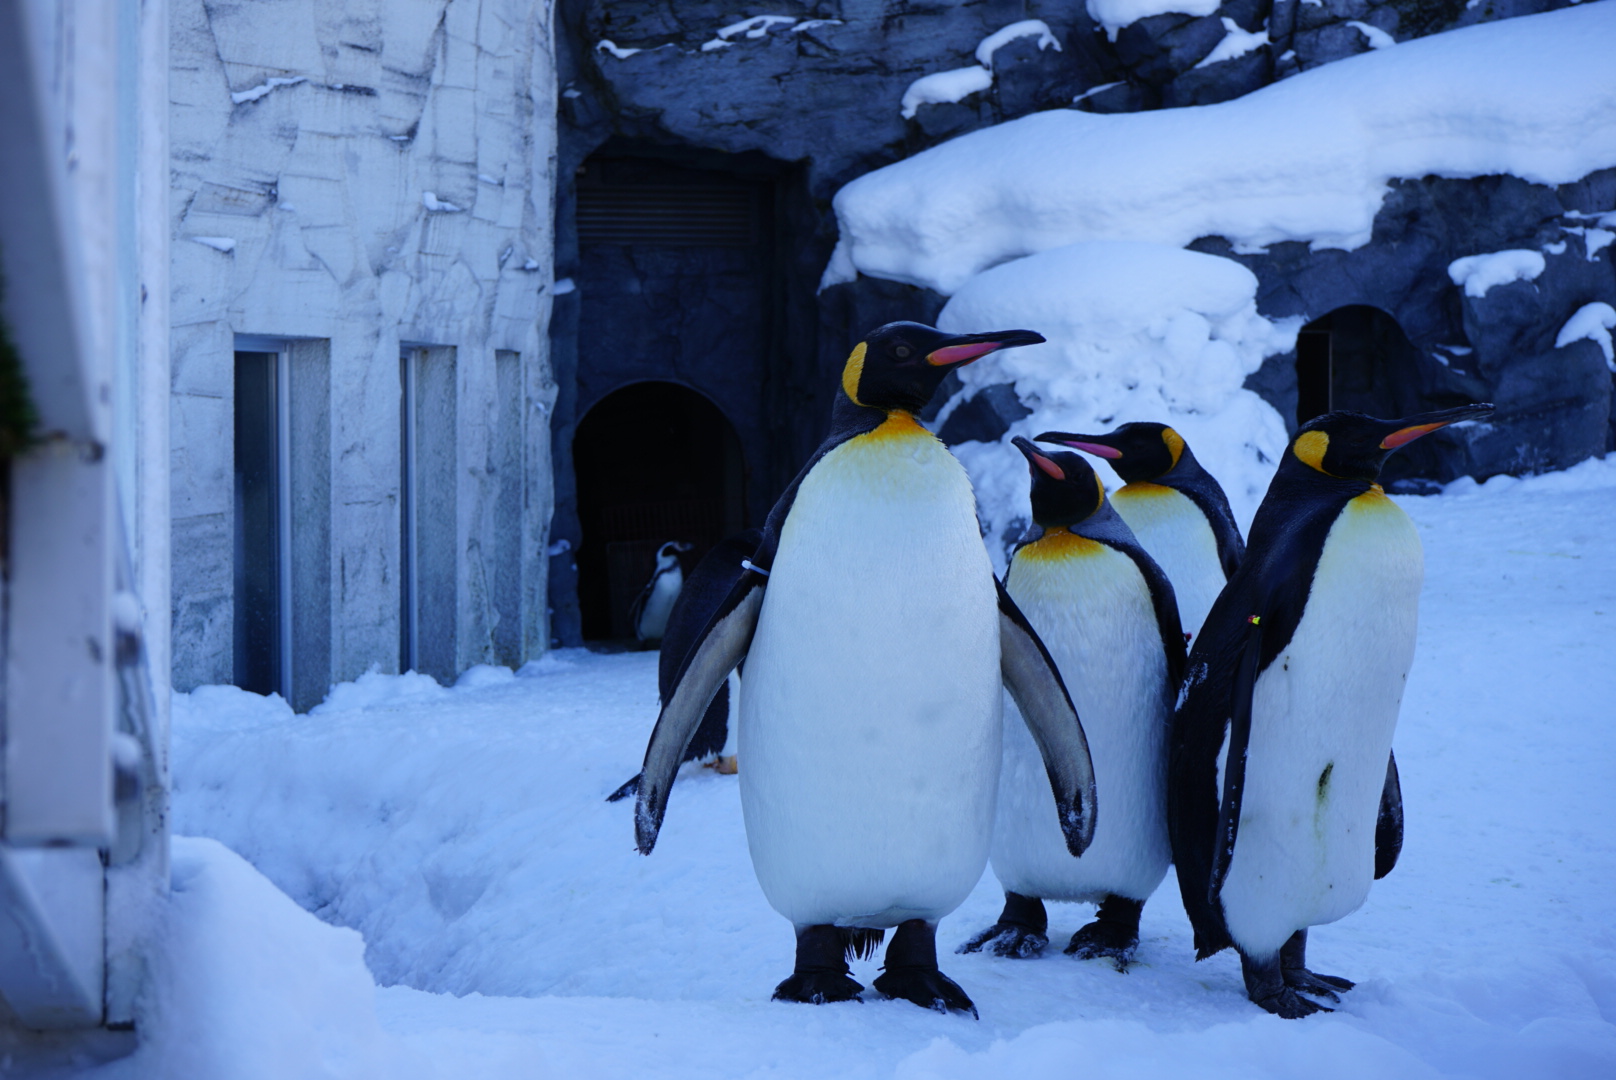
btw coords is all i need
(902, 352)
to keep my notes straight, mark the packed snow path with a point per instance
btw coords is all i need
(464, 832)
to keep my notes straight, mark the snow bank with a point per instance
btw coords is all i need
(1594, 322)
(1135, 332)
(248, 986)
(1304, 159)
(1478, 273)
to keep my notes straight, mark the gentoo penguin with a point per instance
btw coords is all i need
(876, 640)
(1106, 613)
(1283, 798)
(1174, 507)
(710, 582)
(649, 614)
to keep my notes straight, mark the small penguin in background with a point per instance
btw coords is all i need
(1175, 508)
(710, 582)
(1106, 612)
(877, 645)
(1283, 795)
(649, 614)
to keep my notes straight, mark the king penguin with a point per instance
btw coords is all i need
(1175, 508)
(710, 582)
(876, 640)
(649, 614)
(1107, 614)
(1283, 795)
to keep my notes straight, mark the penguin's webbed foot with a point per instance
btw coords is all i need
(1113, 935)
(1100, 940)
(911, 973)
(925, 986)
(818, 987)
(1325, 986)
(1009, 940)
(1293, 969)
(1289, 1004)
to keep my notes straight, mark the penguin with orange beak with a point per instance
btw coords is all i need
(1283, 796)
(1106, 612)
(877, 645)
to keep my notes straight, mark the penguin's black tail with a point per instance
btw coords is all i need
(862, 943)
(631, 786)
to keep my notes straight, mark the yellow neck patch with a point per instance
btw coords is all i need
(1310, 449)
(897, 425)
(1175, 444)
(1143, 489)
(1058, 542)
(852, 372)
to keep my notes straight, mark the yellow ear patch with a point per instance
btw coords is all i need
(1310, 448)
(853, 372)
(1175, 444)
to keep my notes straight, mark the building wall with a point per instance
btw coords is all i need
(364, 176)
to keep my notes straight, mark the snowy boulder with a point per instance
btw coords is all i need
(1135, 332)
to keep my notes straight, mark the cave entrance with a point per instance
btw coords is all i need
(654, 461)
(1357, 358)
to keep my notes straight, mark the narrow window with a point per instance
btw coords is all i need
(262, 525)
(507, 468)
(428, 519)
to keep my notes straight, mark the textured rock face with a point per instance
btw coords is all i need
(1553, 404)
(352, 178)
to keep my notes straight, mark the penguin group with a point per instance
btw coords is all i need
(882, 768)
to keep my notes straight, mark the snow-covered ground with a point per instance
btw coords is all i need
(463, 831)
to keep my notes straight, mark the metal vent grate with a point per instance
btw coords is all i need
(678, 215)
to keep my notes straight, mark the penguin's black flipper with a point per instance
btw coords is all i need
(1039, 692)
(717, 650)
(1234, 764)
(1389, 826)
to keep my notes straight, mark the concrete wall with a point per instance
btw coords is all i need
(364, 175)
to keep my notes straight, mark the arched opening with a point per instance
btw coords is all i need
(1357, 358)
(654, 461)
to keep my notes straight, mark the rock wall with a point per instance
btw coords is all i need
(356, 176)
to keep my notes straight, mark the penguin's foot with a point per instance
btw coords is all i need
(1293, 967)
(927, 987)
(726, 766)
(631, 786)
(1007, 940)
(1020, 932)
(1113, 935)
(821, 974)
(818, 987)
(1268, 987)
(911, 973)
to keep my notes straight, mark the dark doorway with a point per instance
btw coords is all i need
(1358, 359)
(654, 461)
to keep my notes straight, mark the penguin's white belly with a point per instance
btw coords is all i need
(1175, 532)
(870, 724)
(659, 605)
(1094, 613)
(1321, 732)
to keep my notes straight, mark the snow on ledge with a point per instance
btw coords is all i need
(945, 87)
(1593, 322)
(1378, 38)
(1236, 43)
(1014, 32)
(225, 244)
(607, 46)
(1529, 97)
(1478, 273)
(430, 200)
(1115, 14)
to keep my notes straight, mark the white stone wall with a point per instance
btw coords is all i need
(379, 173)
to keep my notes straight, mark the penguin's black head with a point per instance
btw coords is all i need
(1138, 452)
(1065, 490)
(900, 365)
(1353, 446)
